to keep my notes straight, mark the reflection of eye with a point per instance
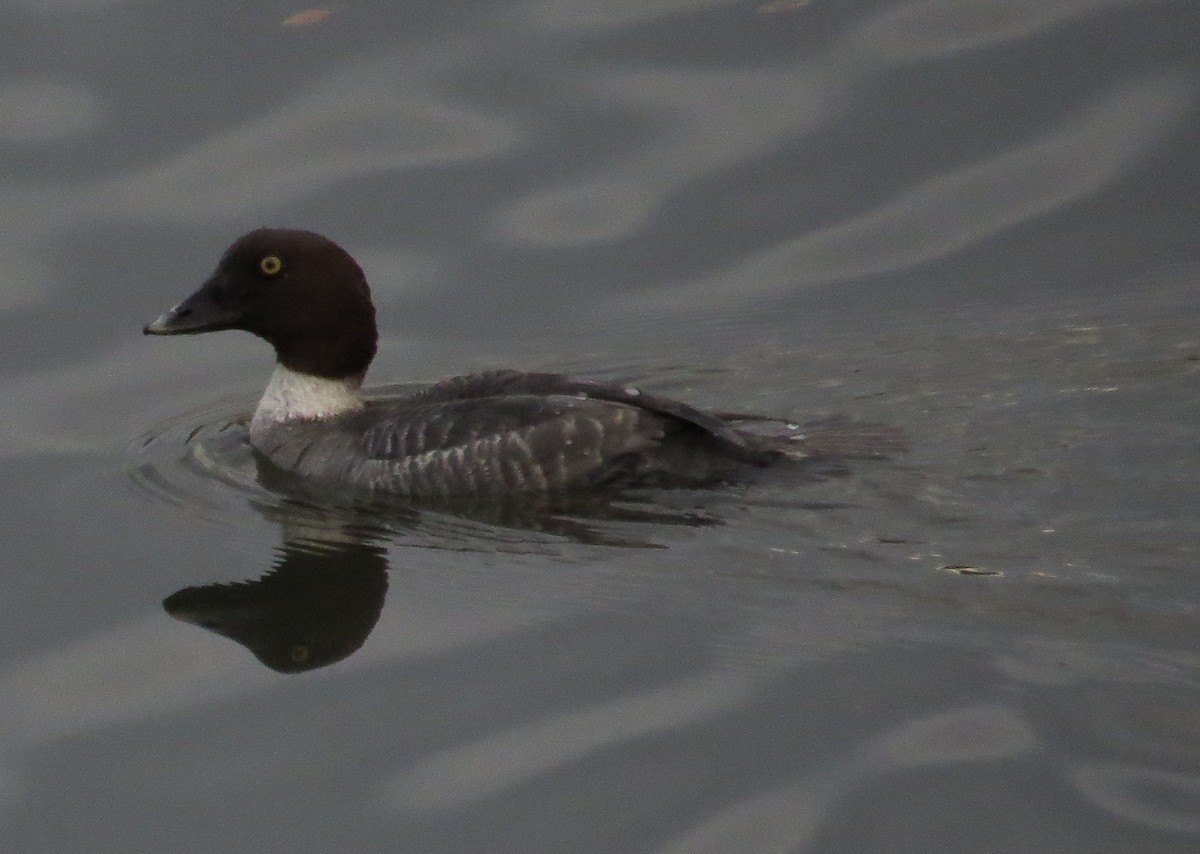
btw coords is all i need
(270, 265)
(299, 653)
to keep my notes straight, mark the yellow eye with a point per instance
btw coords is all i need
(299, 653)
(270, 265)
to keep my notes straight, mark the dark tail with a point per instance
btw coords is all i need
(833, 437)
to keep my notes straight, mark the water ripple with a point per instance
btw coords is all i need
(1165, 800)
(955, 209)
(787, 818)
(199, 460)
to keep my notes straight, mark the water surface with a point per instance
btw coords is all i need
(972, 220)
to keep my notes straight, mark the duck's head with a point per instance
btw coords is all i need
(299, 291)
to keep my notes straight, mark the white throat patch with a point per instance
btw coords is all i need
(292, 396)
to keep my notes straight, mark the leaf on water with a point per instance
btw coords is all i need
(303, 19)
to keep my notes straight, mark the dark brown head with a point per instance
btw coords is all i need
(298, 290)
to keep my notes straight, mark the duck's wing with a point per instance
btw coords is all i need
(509, 443)
(500, 384)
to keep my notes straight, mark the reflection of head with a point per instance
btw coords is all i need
(316, 606)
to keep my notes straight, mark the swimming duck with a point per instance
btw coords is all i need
(488, 435)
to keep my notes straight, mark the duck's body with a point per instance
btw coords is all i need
(487, 435)
(503, 433)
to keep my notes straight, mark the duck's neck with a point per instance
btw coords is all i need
(294, 396)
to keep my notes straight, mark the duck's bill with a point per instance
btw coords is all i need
(198, 313)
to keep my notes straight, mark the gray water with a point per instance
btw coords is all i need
(975, 220)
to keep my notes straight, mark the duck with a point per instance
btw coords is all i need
(489, 435)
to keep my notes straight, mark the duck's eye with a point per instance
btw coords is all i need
(299, 653)
(270, 265)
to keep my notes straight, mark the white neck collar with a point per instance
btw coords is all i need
(293, 396)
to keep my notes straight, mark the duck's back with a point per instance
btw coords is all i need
(508, 433)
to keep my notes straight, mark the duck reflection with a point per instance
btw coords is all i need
(317, 605)
(324, 594)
